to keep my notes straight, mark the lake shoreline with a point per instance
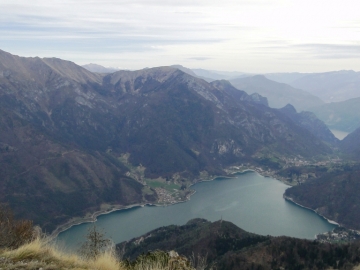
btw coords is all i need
(95, 215)
(247, 199)
(328, 220)
(231, 174)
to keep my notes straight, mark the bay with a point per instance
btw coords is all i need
(249, 200)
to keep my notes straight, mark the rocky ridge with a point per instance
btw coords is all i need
(75, 142)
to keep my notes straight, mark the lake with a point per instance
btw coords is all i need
(339, 133)
(249, 200)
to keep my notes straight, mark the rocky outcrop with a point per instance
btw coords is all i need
(309, 121)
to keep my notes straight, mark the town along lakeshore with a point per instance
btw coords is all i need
(253, 202)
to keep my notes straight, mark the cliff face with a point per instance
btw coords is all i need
(309, 121)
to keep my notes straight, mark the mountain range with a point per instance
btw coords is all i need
(73, 142)
(331, 86)
(343, 115)
(278, 94)
(45, 174)
(334, 86)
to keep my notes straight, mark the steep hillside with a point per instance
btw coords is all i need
(334, 195)
(192, 73)
(344, 115)
(73, 141)
(309, 121)
(238, 94)
(332, 86)
(226, 246)
(192, 116)
(46, 175)
(186, 70)
(37, 72)
(351, 144)
(198, 236)
(278, 94)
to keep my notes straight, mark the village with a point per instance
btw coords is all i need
(166, 197)
(339, 235)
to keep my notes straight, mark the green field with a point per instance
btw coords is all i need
(157, 184)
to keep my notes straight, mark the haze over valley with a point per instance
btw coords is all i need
(231, 130)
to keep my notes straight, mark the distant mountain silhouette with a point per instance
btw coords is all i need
(332, 86)
(343, 115)
(278, 94)
(98, 68)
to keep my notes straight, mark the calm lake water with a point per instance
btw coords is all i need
(251, 201)
(339, 134)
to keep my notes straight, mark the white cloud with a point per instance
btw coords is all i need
(251, 35)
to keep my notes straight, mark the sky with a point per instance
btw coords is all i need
(257, 36)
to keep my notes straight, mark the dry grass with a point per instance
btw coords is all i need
(108, 261)
(160, 260)
(39, 254)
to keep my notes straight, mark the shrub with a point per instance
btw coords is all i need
(159, 260)
(14, 233)
(95, 244)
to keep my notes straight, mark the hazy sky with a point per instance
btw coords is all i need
(244, 35)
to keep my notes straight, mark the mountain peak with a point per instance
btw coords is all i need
(81, 125)
(289, 109)
(99, 69)
(159, 74)
(184, 69)
(39, 70)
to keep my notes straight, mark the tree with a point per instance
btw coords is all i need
(95, 243)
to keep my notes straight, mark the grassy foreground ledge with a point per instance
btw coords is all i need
(23, 246)
(39, 254)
